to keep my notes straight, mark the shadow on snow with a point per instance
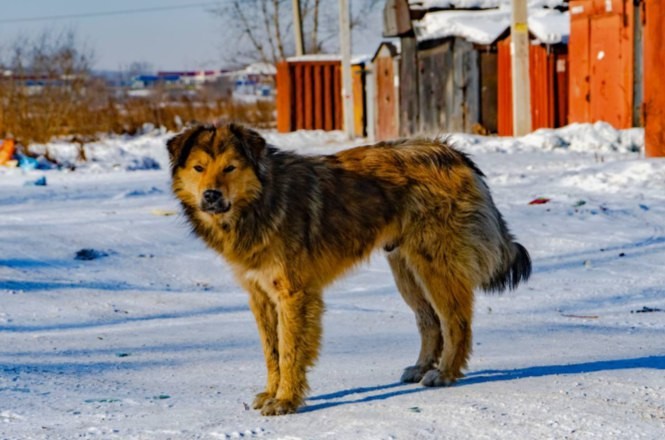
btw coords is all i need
(485, 376)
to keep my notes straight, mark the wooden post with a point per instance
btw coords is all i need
(519, 30)
(347, 79)
(654, 72)
(297, 28)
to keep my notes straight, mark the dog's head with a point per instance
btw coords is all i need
(215, 169)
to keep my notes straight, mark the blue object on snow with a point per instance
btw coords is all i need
(27, 163)
(39, 182)
(644, 207)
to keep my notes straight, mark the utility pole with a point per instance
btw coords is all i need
(519, 31)
(297, 28)
(347, 80)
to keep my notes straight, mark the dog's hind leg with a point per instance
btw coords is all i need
(265, 314)
(452, 299)
(429, 327)
(299, 327)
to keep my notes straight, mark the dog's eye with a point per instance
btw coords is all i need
(229, 168)
(199, 168)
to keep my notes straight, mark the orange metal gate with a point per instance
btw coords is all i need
(654, 72)
(601, 62)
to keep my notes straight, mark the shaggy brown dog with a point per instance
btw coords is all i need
(288, 225)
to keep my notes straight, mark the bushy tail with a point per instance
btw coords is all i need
(512, 274)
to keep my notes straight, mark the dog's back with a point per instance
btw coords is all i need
(444, 186)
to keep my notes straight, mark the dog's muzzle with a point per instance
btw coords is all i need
(213, 202)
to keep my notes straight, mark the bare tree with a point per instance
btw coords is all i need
(261, 30)
(257, 23)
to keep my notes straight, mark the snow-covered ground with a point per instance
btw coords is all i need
(155, 340)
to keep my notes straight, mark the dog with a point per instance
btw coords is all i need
(289, 224)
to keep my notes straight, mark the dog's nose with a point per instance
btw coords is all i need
(212, 195)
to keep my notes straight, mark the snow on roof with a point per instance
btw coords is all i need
(481, 27)
(260, 69)
(477, 4)
(549, 26)
(355, 59)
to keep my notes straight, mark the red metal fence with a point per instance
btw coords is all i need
(309, 96)
(654, 72)
(602, 39)
(548, 75)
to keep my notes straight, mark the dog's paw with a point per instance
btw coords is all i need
(412, 374)
(434, 378)
(279, 407)
(261, 399)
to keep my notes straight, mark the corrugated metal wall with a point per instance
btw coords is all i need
(654, 73)
(309, 96)
(548, 68)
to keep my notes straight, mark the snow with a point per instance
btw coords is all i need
(485, 26)
(155, 340)
(326, 57)
(478, 4)
(480, 27)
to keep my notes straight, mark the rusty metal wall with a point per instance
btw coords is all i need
(579, 66)
(548, 86)
(654, 72)
(602, 61)
(309, 96)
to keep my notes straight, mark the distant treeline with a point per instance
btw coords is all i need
(47, 90)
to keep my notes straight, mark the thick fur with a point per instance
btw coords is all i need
(289, 224)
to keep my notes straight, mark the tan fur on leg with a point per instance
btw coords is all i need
(266, 320)
(299, 314)
(429, 327)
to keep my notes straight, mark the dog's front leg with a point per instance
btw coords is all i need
(299, 328)
(265, 314)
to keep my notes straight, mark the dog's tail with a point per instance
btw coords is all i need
(516, 269)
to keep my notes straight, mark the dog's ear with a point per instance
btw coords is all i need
(181, 145)
(252, 144)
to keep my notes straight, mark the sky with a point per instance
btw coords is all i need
(186, 38)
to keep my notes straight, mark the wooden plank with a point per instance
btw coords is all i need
(489, 89)
(472, 88)
(386, 98)
(408, 93)
(358, 99)
(465, 99)
(434, 88)
(654, 72)
(396, 18)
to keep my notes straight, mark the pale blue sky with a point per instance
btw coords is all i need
(169, 39)
(179, 39)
